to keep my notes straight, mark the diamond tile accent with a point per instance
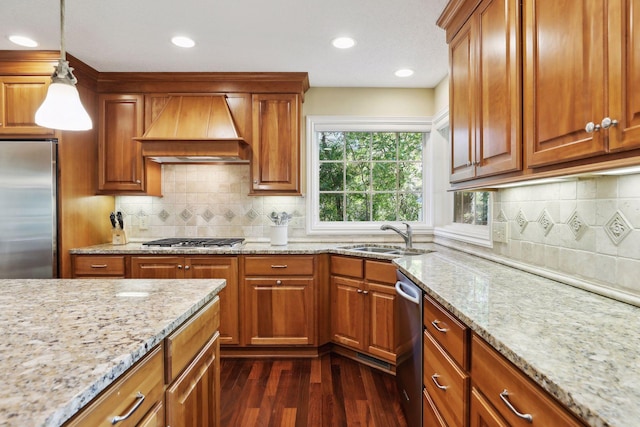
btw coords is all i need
(185, 215)
(502, 217)
(252, 214)
(163, 215)
(141, 213)
(545, 221)
(577, 225)
(617, 228)
(229, 215)
(207, 215)
(522, 221)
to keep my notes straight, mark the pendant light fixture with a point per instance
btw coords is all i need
(62, 108)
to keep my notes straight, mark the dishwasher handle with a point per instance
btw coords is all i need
(410, 293)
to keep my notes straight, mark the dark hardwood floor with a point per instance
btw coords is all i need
(327, 391)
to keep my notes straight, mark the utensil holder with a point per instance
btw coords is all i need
(278, 235)
(118, 237)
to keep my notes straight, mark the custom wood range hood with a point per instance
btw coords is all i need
(194, 129)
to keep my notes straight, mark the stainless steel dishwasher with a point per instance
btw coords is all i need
(409, 364)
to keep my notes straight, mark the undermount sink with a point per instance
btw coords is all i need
(386, 250)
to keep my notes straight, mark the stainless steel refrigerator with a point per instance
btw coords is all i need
(28, 221)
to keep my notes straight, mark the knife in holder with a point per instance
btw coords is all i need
(118, 235)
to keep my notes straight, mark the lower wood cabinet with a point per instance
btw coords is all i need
(482, 413)
(177, 383)
(363, 304)
(203, 267)
(99, 266)
(279, 300)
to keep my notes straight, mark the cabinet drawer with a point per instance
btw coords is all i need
(452, 401)
(347, 266)
(448, 331)
(381, 272)
(99, 266)
(183, 345)
(145, 378)
(493, 374)
(278, 266)
(430, 415)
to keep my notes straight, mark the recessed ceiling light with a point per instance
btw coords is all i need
(343, 42)
(404, 72)
(183, 41)
(23, 41)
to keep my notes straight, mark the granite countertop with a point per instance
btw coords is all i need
(64, 341)
(581, 347)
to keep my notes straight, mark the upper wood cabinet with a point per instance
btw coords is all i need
(485, 94)
(275, 167)
(582, 77)
(20, 98)
(121, 168)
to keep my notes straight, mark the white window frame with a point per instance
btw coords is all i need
(315, 124)
(469, 233)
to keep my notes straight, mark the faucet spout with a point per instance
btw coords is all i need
(406, 236)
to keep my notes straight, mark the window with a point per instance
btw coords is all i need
(471, 207)
(364, 172)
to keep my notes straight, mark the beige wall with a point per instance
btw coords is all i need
(441, 95)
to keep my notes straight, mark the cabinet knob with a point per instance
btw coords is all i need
(607, 123)
(138, 181)
(365, 292)
(591, 127)
(186, 267)
(255, 181)
(278, 282)
(359, 291)
(179, 266)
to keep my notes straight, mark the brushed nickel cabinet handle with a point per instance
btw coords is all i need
(591, 127)
(186, 267)
(279, 266)
(365, 292)
(278, 282)
(98, 265)
(434, 378)
(140, 399)
(179, 266)
(503, 397)
(435, 324)
(607, 123)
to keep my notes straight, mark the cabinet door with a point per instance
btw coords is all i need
(482, 413)
(624, 74)
(275, 166)
(498, 126)
(220, 268)
(461, 96)
(564, 79)
(20, 97)
(155, 417)
(194, 397)
(280, 311)
(382, 324)
(121, 168)
(158, 267)
(348, 312)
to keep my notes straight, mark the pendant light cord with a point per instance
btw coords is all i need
(63, 52)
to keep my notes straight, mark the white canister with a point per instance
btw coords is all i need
(278, 235)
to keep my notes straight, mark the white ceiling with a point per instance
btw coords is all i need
(244, 35)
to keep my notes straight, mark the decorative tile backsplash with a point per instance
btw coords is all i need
(207, 201)
(587, 228)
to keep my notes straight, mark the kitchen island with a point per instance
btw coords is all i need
(65, 341)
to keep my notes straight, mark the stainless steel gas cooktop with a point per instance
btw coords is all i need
(196, 242)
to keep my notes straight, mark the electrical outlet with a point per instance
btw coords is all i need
(499, 231)
(143, 222)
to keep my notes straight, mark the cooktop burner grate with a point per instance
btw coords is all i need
(195, 242)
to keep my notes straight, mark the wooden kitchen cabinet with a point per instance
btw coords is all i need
(581, 67)
(88, 266)
(508, 390)
(121, 167)
(20, 98)
(363, 304)
(482, 413)
(275, 165)
(485, 93)
(279, 300)
(204, 267)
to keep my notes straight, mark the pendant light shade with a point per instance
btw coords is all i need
(62, 108)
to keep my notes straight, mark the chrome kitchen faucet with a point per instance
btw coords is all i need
(408, 236)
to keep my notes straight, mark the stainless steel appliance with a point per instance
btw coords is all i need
(196, 242)
(28, 224)
(409, 364)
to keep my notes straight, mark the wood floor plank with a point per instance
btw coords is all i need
(331, 391)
